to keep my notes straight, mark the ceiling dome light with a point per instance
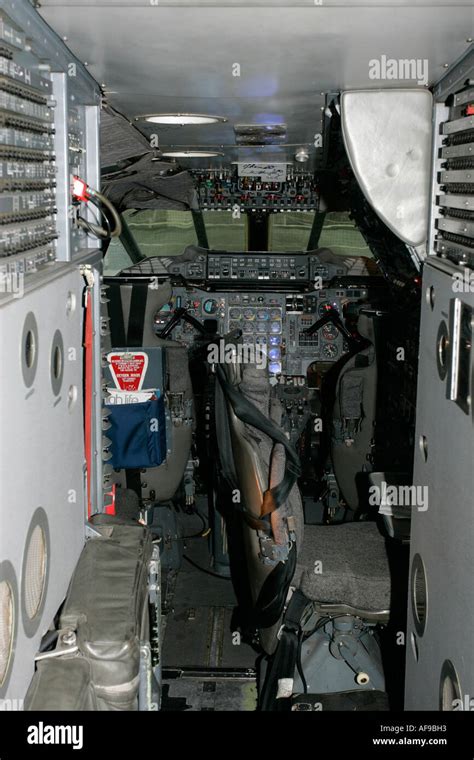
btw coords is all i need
(302, 155)
(191, 154)
(181, 119)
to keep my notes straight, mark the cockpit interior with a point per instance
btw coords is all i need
(238, 227)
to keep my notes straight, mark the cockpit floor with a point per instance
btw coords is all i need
(216, 695)
(206, 666)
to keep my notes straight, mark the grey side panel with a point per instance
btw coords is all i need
(38, 413)
(441, 601)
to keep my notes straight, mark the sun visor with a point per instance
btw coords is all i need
(119, 139)
(150, 183)
(387, 136)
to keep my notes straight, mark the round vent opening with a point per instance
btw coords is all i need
(35, 572)
(423, 444)
(57, 363)
(30, 349)
(414, 647)
(6, 628)
(430, 296)
(449, 688)
(442, 350)
(419, 592)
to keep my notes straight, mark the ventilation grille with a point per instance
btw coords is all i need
(35, 572)
(6, 628)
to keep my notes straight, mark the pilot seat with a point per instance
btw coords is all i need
(316, 592)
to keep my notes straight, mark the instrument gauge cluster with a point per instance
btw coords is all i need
(275, 322)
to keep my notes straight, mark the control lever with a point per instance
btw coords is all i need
(178, 315)
(333, 317)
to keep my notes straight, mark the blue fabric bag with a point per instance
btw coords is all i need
(138, 434)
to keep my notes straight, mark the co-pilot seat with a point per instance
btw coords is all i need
(342, 569)
(352, 418)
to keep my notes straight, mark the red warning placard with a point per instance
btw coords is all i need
(128, 369)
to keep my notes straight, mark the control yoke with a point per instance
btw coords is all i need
(178, 315)
(334, 318)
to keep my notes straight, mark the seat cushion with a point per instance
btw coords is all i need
(345, 564)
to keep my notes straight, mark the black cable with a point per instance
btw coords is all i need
(201, 532)
(203, 569)
(301, 638)
(92, 227)
(154, 195)
(102, 212)
(299, 666)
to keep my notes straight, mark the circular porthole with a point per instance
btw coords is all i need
(35, 572)
(419, 594)
(8, 622)
(29, 349)
(57, 362)
(442, 350)
(450, 695)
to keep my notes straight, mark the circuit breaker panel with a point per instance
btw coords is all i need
(48, 134)
(49, 332)
(440, 672)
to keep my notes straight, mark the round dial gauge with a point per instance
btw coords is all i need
(324, 307)
(210, 306)
(329, 332)
(329, 351)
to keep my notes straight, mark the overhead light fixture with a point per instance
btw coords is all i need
(302, 155)
(191, 154)
(181, 119)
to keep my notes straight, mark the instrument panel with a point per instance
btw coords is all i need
(225, 270)
(223, 189)
(271, 298)
(273, 321)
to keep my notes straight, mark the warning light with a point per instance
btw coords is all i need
(470, 109)
(79, 189)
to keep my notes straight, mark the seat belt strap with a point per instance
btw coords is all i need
(278, 687)
(136, 322)
(246, 412)
(116, 323)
